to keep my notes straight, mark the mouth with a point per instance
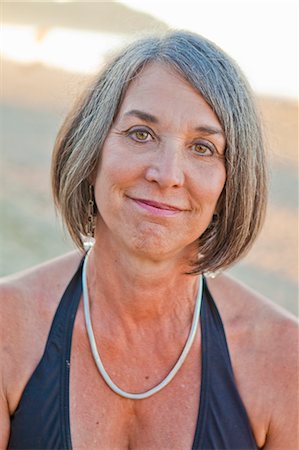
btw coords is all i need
(157, 208)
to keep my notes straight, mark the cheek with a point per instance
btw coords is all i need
(218, 182)
(210, 183)
(109, 168)
(117, 164)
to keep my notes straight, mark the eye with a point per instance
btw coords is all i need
(203, 149)
(140, 135)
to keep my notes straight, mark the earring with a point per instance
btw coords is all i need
(214, 222)
(215, 218)
(91, 220)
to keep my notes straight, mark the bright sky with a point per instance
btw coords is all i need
(260, 34)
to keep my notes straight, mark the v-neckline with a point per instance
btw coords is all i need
(65, 385)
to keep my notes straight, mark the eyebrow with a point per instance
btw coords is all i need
(205, 129)
(142, 115)
(208, 130)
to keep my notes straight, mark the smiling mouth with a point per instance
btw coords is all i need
(158, 208)
(159, 205)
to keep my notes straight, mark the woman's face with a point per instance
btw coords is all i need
(162, 168)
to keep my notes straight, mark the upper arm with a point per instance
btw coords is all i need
(283, 427)
(4, 422)
(264, 351)
(26, 313)
(4, 407)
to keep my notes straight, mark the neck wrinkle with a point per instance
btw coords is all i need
(139, 297)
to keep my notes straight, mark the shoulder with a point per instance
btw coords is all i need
(271, 331)
(263, 342)
(38, 280)
(27, 293)
(28, 301)
(242, 307)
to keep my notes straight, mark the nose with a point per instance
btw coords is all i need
(166, 168)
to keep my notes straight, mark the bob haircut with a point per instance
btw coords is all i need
(212, 73)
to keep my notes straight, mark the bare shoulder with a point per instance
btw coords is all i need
(263, 342)
(38, 281)
(242, 306)
(35, 291)
(267, 327)
(28, 301)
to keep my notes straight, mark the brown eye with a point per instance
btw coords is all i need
(141, 135)
(203, 149)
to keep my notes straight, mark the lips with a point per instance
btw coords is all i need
(155, 208)
(158, 205)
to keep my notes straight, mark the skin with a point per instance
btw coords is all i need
(157, 189)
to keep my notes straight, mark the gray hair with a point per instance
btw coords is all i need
(241, 207)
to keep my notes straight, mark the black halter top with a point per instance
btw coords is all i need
(42, 419)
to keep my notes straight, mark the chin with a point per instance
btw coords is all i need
(150, 244)
(162, 246)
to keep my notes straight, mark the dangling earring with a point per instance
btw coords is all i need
(213, 224)
(215, 218)
(91, 219)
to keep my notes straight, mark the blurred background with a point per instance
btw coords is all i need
(49, 52)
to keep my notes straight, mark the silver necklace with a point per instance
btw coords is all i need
(98, 360)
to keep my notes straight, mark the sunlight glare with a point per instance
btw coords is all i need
(72, 50)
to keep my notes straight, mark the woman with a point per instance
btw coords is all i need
(162, 163)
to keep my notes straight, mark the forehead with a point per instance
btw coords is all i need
(160, 90)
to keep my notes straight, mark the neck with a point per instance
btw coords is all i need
(139, 290)
(171, 374)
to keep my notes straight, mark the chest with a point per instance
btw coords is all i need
(101, 419)
(66, 385)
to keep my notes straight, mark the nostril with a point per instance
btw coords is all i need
(151, 174)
